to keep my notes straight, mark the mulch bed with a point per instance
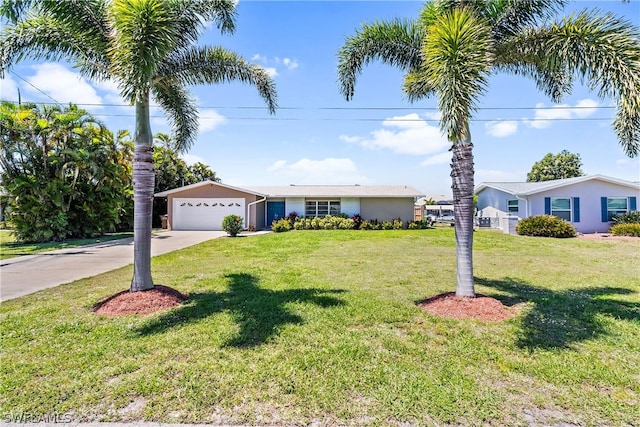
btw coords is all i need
(448, 305)
(479, 308)
(143, 302)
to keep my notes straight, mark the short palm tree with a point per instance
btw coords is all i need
(148, 48)
(455, 45)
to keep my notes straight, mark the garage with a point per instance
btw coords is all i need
(205, 213)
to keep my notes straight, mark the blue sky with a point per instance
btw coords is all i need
(316, 137)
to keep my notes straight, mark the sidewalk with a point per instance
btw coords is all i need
(27, 274)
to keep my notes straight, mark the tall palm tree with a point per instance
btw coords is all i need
(148, 48)
(455, 45)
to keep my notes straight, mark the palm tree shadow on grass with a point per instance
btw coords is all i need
(259, 312)
(559, 319)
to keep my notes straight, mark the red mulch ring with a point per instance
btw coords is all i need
(143, 302)
(479, 308)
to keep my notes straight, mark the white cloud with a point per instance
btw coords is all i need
(438, 159)
(544, 116)
(8, 88)
(325, 171)
(488, 175)
(291, 64)
(111, 92)
(433, 115)
(63, 85)
(407, 134)
(272, 65)
(210, 119)
(350, 139)
(500, 129)
(271, 71)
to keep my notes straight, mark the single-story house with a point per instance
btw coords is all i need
(588, 202)
(202, 206)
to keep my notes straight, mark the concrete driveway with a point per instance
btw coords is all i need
(30, 273)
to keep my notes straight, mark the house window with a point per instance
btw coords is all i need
(321, 208)
(512, 205)
(561, 207)
(616, 206)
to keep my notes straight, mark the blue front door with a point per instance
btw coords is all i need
(275, 211)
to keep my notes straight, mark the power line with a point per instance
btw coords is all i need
(250, 107)
(36, 88)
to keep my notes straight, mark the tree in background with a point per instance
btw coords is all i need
(173, 172)
(558, 166)
(148, 48)
(455, 45)
(65, 174)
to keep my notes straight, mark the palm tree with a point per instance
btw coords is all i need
(148, 48)
(455, 45)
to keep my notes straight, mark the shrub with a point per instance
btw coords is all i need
(281, 225)
(357, 221)
(419, 225)
(397, 224)
(232, 224)
(630, 229)
(293, 216)
(545, 226)
(632, 217)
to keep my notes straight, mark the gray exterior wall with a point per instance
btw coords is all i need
(385, 209)
(493, 203)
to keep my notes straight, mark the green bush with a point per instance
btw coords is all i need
(545, 226)
(329, 222)
(631, 229)
(419, 225)
(281, 225)
(632, 217)
(232, 224)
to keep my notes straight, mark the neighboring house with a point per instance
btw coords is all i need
(588, 202)
(202, 206)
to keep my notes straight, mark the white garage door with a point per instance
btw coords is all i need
(204, 214)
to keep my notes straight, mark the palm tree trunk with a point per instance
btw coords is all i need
(143, 183)
(462, 179)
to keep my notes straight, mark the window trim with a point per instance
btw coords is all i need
(332, 204)
(570, 209)
(617, 211)
(513, 209)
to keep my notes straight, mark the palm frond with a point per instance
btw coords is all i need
(190, 18)
(456, 63)
(603, 51)
(181, 110)
(207, 65)
(144, 34)
(43, 37)
(416, 85)
(396, 43)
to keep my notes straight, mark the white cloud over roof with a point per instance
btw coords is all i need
(408, 134)
(325, 171)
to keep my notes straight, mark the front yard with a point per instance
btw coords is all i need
(322, 326)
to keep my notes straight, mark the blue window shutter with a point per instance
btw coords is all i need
(604, 210)
(576, 209)
(633, 204)
(547, 205)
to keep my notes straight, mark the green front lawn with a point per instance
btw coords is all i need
(9, 248)
(322, 326)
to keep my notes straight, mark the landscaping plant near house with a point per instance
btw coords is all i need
(545, 226)
(232, 224)
(281, 225)
(632, 217)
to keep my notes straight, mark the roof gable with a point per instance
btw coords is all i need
(529, 188)
(203, 184)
